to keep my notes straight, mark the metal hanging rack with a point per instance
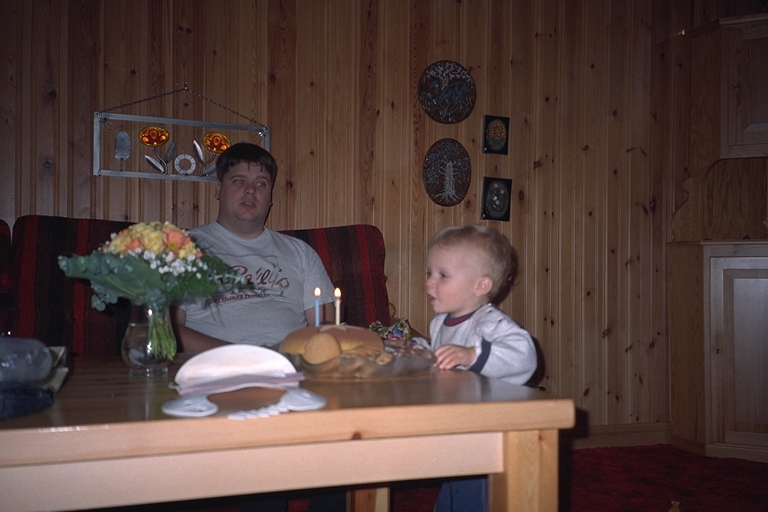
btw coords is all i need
(159, 165)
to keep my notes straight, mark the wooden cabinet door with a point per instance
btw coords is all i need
(739, 350)
(746, 56)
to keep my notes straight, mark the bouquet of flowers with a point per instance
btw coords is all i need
(152, 264)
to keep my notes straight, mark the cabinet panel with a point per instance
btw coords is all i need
(718, 308)
(745, 328)
(738, 345)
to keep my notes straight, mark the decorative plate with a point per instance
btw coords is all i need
(447, 172)
(447, 92)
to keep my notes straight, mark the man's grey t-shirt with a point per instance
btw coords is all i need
(284, 272)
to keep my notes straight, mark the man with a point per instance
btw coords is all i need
(283, 270)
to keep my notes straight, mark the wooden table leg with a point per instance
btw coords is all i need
(368, 500)
(529, 480)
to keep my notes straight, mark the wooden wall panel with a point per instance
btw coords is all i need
(43, 73)
(536, 250)
(597, 153)
(641, 305)
(593, 95)
(10, 93)
(312, 90)
(366, 116)
(282, 108)
(565, 357)
(613, 329)
(519, 162)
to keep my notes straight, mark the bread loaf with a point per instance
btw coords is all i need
(321, 347)
(320, 344)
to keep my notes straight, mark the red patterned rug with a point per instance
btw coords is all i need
(650, 478)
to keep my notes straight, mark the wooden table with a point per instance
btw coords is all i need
(106, 442)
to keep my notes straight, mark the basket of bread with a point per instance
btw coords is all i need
(346, 351)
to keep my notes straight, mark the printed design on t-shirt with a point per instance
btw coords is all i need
(267, 280)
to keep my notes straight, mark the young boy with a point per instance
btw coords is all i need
(467, 267)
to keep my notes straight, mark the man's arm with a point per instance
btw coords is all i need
(190, 340)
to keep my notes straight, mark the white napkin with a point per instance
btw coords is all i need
(235, 366)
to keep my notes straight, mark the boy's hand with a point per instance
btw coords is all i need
(450, 356)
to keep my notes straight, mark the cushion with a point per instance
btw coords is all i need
(5, 277)
(50, 306)
(353, 256)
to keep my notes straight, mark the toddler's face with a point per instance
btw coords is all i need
(453, 274)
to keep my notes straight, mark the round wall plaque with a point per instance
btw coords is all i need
(447, 172)
(447, 92)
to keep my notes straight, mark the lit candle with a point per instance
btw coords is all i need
(317, 307)
(337, 303)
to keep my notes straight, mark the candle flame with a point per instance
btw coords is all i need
(337, 293)
(317, 291)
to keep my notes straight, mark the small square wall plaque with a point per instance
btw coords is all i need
(495, 135)
(497, 195)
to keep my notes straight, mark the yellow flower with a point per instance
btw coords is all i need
(156, 238)
(153, 241)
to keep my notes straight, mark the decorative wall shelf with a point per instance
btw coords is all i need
(181, 154)
(163, 148)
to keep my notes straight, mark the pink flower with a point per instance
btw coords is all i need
(134, 244)
(175, 240)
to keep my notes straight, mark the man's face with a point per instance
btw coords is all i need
(245, 197)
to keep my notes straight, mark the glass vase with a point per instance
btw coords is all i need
(149, 344)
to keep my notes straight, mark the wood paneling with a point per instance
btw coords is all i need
(336, 82)
(734, 194)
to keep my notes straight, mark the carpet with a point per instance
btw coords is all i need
(649, 478)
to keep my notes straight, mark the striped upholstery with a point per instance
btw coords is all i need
(57, 310)
(48, 305)
(354, 258)
(5, 277)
